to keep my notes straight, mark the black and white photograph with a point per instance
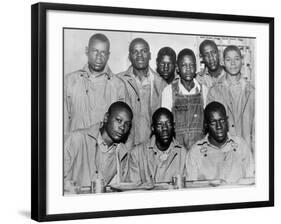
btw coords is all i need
(140, 112)
(157, 111)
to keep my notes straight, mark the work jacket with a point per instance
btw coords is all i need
(87, 97)
(157, 84)
(148, 164)
(242, 123)
(231, 162)
(85, 161)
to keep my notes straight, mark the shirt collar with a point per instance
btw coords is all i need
(173, 146)
(106, 71)
(230, 140)
(103, 146)
(194, 90)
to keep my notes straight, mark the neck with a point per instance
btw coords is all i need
(216, 73)
(170, 79)
(162, 147)
(215, 143)
(234, 78)
(93, 72)
(188, 84)
(108, 141)
(140, 73)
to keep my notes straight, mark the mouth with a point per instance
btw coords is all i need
(119, 134)
(165, 136)
(220, 134)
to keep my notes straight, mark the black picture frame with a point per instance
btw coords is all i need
(39, 109)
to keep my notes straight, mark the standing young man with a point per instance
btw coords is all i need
(237, 95)
(89, 91)
(144, 88)
(213, 70)
(166, 64)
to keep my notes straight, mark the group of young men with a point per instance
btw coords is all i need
(144, 126)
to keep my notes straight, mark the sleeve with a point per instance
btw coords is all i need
(134, 166)
(123, 94)
(247, 160)
(191, 164)
(71, 147)
(66, 113)
(211, 96)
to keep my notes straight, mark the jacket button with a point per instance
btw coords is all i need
(138, 99)
(232, 125)
(155, 153)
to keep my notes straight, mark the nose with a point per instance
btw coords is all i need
(122, 127)
(219, 125)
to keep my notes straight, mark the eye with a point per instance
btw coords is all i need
(128, 124)
(213, 123)
(118, 120)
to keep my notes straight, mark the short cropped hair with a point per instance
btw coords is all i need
(231, 48)
(166, 51)
(136, 40)
(119, 105)
(100, 37)
(213, 107)
(186, 52)
(207, 42)
(160, 111)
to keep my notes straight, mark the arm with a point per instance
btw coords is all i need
(191, 164)
(134, 166)
(66, 112)
(71, 147)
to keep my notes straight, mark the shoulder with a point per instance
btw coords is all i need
(199, 147)
(240, 143)
(76, 74)
(125, 74)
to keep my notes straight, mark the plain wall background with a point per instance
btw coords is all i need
(15, 112)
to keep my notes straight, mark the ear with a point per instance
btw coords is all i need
(152, 128)
(86, 50)
(149, 56)
(177, 69)
(105, 118)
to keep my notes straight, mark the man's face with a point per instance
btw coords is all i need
(98, 54)
(217, 127)
(139, 55)
(210, 56)
(187, 68)
(163, 129)
(166, 67)
(232, 62)
(118, 124)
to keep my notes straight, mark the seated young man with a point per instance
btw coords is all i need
(98, 152)
(219, 155)
(161, 157)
